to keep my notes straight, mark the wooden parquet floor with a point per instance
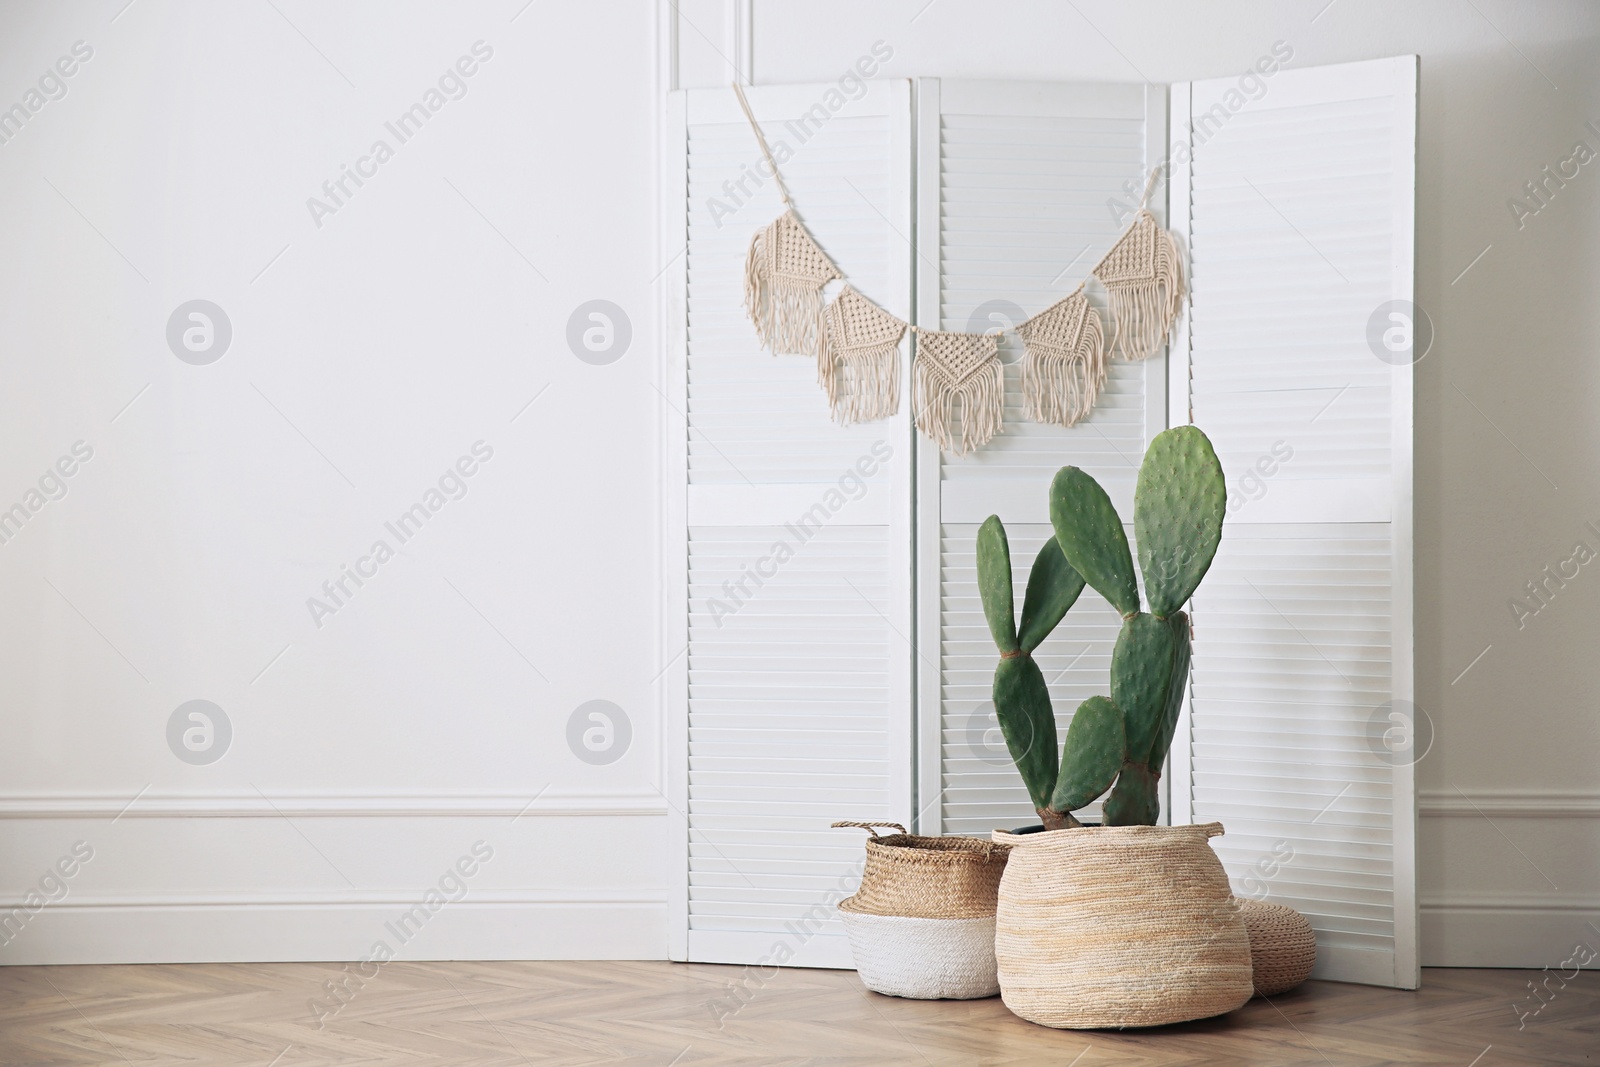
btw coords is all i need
(518, 1014)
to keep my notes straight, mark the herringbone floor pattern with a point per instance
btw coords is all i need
(518, 1014)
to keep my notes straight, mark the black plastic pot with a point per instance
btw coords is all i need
(1038, 828)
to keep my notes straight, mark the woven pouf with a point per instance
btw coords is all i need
(1119, 926)
(921, 924)
(1283, 947)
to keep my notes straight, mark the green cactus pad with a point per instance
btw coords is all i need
(1141, 678)
(1177, 515)
(994, 583)
(1136, 799)
(1053, 587)
(1175, 690)
(1092, 756)
(1022, 704)
(1092, 539)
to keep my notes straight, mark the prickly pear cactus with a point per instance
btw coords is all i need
(1118, 742)
(1097, 741)
(1021, 697)
(1177, 516)
(1091, 537)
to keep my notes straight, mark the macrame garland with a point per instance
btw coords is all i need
(1143, 276)
(783, 279)
(856, 343)
(958, 366)
(1064, 363)
(859, 364)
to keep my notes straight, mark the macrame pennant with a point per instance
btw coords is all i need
(1143, 276)
(859, 364)
(952, 367)
(856, 343)
(1064, 364)
(783, 279)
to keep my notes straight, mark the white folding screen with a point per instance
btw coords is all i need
(1298, 211)
(790, 681)
(1021, 188)
(789, 537)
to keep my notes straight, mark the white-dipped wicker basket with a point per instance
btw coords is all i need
(924, 959)
(922, 923)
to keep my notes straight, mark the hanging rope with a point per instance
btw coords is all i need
(761, 139)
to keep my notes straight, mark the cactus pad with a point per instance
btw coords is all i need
(1136, 799)
(1092, 539)
(1053, 587)
(1092, 755)
(994, 583)
(1022, 704)
(1177, 515)
(1141, 679)
(1175, 690)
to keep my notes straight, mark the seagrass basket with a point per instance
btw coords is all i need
(1119, 926)
(921, 924)
(928, 877)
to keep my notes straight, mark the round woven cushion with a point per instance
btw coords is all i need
(1282, 946)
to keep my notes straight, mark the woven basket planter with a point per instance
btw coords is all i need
(922, 923)
(1119, 926)
(1283, 948)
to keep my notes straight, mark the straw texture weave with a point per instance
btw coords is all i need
(1119, 926)
(929, 877)
(1283, 947)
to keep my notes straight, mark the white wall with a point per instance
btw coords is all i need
(374, 351)
(1506, 443)
(368, 353)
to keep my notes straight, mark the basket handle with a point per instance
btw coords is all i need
(871, 826)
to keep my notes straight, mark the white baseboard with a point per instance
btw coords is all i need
(226, 878)
(1508, 929)
(268, 932)
(1464, 926)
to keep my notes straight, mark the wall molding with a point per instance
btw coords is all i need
(1510, 803)
(1511, 900)
(147, 805)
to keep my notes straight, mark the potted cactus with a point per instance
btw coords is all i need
(1129, 924)
(1121, 739)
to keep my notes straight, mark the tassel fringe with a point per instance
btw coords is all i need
(1143, 276)
(1064, 365)
(858, 366)
(784, 274)
(936, 392)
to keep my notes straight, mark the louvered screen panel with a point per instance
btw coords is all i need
(788, 676)
(788, 725)
(1016, 184)
(1298, 211)
(1292, 655)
